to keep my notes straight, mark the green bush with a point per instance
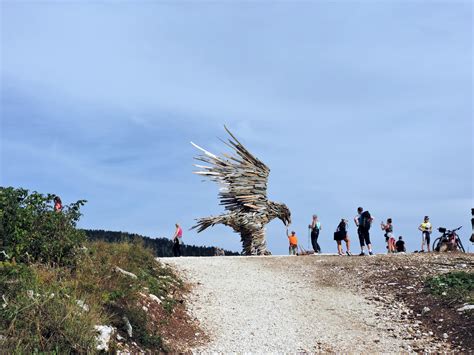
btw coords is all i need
(456, 285)
(51, 272)
(30, 229)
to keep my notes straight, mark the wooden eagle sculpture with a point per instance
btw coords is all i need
(243, 191)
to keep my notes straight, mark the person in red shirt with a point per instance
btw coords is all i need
(58, 205)
(177, 240)
(293, 239)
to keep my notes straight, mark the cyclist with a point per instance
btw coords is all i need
(426, 229)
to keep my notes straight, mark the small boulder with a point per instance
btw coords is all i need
(103, 339)
(467, 307)
(122, 271)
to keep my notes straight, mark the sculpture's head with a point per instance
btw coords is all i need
(281, 211)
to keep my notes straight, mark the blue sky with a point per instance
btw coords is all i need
(349, 103)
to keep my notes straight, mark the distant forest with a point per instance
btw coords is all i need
(161, 246)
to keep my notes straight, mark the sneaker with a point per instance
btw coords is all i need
(348, 253)
(361, 253)
(371, 253)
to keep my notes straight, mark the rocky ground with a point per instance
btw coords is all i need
(325, 303)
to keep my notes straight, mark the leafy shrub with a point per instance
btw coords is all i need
(457, 285)
(30, 230)
(51, 272)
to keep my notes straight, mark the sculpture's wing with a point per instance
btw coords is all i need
(243, 178)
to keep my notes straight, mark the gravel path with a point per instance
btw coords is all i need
(279, 304)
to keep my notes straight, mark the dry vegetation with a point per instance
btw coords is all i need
(56, 308)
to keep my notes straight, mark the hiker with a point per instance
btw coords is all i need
(472, 224)
(363, 221)
(400, 245)
(315, 227)
(58, 204)
(177, 240)
(293, 240)
(389, 239)
(426, 229)
(341, 235)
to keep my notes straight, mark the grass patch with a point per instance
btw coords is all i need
(453, 286)
(40, 310)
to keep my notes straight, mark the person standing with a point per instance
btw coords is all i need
(58, 204)
(293, 240)
(315, 227)
(363, 221)
(389, 239)
(341, 235)
(177, 240)
(426, 229)
(472, 224)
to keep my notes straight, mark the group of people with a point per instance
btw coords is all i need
(363, 221)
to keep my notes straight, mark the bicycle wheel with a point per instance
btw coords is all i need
(436, 244)
(460, 246)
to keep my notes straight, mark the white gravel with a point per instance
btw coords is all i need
(273, 304)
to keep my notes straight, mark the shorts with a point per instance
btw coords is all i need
(364, 237)
(388, 236)
(340, 235)
(426, 236)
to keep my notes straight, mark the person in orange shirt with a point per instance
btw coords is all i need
(293, 242)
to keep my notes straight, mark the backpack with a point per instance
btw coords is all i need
(365, 220)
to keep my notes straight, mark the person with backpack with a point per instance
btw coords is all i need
(426, 229)
(177, 240)
(315, 227)
(363, 221)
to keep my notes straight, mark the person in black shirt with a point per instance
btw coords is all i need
(400, 245)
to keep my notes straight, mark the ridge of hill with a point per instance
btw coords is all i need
(162, 247)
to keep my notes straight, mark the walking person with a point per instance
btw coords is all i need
(341, 235)
(293, 240)
(177, 240)
(315, 227)
(426, 229)
(389, 239)
(363, 221)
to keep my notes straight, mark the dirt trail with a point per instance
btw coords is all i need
(288, 304)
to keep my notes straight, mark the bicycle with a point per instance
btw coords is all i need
(448, 241)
